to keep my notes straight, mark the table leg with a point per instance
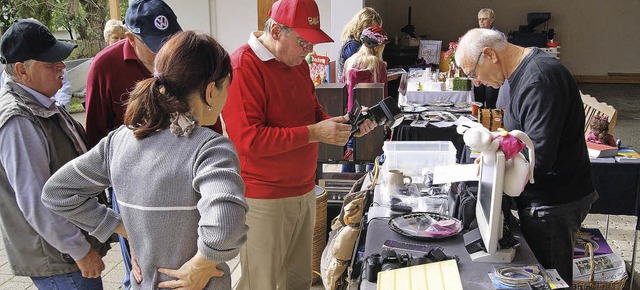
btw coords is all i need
(606, 229)
(633, 258)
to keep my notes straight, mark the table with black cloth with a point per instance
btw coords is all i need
(405, 132)
(474, 275)
(618, 185)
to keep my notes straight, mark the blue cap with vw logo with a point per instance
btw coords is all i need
(153, 21)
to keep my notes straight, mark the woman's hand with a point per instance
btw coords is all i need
(194, 274)
(135, 268)
(120, 230)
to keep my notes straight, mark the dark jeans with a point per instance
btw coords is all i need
(551, 235)
(69, 281)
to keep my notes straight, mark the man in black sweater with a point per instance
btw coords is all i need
(545, 104)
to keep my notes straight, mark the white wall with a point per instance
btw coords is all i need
(341, 12)
(231, 21)
(192, 14)
(597, 37)
(235, 20)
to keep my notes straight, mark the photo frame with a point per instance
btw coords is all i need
(430, 51)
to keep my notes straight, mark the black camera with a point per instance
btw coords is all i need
(386, 112)
(389, 260)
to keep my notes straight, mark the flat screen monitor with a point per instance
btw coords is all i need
(489, 212)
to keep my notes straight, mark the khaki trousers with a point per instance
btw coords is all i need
(278, 251)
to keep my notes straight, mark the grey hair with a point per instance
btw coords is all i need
(475, 40)
(112, 26)
(489, 11)
(10, 69)
(270, 22)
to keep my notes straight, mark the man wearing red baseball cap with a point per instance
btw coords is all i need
(274, 119)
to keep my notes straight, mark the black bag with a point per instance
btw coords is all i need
(463, 206)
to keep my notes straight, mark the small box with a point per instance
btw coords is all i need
(461, 84)
(412, 156)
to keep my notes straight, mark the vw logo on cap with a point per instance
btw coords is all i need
(161, 22)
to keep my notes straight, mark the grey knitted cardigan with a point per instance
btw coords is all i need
(177, 195)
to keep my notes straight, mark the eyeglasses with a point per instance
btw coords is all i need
(472, 74)
(304, 44)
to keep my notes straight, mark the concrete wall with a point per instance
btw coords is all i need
(597, 37)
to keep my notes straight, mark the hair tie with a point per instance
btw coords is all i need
(158, 76)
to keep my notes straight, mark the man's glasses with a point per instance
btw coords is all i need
(304, 44)
(472, 74)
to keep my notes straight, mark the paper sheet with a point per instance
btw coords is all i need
(454, 173)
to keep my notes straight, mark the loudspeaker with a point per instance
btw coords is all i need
(369, 146)
(333, 99)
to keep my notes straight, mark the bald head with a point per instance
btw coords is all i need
(473, 43)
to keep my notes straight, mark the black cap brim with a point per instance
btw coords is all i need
(58, 52)
(154, 42)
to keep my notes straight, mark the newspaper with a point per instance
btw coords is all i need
(609, 267)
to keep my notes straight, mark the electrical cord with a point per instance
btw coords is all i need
(521, 276)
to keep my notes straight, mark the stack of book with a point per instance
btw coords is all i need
(627, 155)
(601, 150)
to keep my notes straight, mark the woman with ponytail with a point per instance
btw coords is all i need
(179, 189)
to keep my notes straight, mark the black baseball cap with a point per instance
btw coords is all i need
(153, 21)
(28, 39)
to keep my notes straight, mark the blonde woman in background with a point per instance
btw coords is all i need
(114, 31)
(366, 65)
(351, 34)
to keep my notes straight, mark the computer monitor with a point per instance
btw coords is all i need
(489, 212)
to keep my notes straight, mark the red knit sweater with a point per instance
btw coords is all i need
(267, 113)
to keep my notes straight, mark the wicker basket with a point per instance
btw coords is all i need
(319, 232)
(597, 285)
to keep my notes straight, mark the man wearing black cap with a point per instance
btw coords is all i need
(37, 138)
(115, 71)
(274, 119)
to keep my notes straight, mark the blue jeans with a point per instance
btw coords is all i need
(70, 281)
(124, 248)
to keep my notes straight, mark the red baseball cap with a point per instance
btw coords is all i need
(302, 16)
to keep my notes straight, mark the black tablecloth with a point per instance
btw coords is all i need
(618, 185)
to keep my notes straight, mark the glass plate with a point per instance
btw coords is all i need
(426, 225)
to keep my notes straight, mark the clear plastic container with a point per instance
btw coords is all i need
(412, 157)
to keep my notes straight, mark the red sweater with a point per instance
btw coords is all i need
(267, 113)
(113, 73)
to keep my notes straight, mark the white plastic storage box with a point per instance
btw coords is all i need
(412, 156)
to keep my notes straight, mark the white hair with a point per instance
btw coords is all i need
(11, 71)
(475, 40)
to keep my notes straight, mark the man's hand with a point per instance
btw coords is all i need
(365, 128)
(331, 131)
(91, 265)
(194, 274)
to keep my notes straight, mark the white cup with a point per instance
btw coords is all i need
(395, 177)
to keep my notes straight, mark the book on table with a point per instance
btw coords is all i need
(627, 155)
(601, 150)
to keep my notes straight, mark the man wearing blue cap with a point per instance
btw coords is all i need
(37, 138)
(115, 71)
